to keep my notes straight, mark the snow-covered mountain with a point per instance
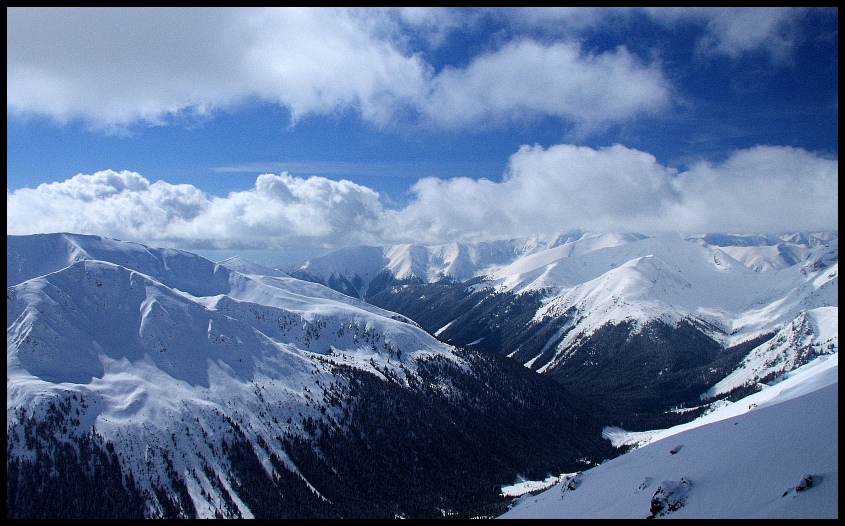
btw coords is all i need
(771, 455)
(646, 319)
(719, 279)
(145, 382)
(366, 270)
(672, 280)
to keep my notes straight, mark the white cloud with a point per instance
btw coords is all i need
(123, 205)
(558, 79)
(280, 211)
(558, 188)
(737, 31)
(324, 60)
(115, 67)
(763, 189)
(283, 209)
(416, 27)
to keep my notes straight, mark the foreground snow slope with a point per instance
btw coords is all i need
(774, 454)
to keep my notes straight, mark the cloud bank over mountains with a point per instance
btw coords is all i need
(433, 70)
(760, 189)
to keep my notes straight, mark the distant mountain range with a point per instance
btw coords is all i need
(146, 382)
(652, 322)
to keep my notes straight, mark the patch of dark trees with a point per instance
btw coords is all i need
(439, 446)
(354, 286)
(443, 448)
(65, 475)
(284, 495)
(636, 376)
(474, 311)
(640, 375)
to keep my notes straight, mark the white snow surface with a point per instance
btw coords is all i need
(812, 332)
(735, 287)
(771, 455)
(459, 261)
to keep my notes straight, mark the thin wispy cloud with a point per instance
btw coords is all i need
(737, 31)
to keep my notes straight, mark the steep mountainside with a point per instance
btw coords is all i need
(145, 382)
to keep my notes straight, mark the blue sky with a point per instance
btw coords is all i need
(305, 130)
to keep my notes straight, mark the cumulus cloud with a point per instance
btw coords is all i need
(558, 188)
(123, 205)
(280, 211)
(114, 67)
(528, 77)
(762, 189)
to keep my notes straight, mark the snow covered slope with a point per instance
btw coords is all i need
(812, 333)
(670, 280)
(145, 357)
(772, 455)
(740, 285)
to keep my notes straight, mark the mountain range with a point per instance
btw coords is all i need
(645, 323)
(147, 382)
